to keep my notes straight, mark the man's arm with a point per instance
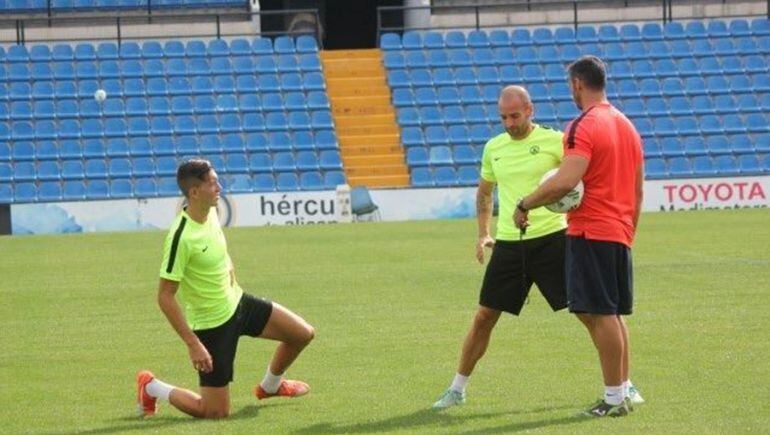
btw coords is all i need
(200, 357)
(571, 171)
(484, 205)
(639, 193)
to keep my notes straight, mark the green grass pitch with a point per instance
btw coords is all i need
(391, 303)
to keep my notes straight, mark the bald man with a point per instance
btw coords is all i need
(514, 161)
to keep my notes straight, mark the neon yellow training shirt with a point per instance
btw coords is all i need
(517, 166)
(195, 255)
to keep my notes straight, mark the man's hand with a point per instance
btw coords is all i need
(483, 242)
(521, 218)
(200, 357)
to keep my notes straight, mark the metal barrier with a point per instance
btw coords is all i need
(122, 21)
(524, 6)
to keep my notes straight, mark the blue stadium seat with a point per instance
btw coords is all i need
(307, 161)
(236, 163)
(286, 181)
(679, 167)
(739, 144)
(717, 145)
(695, 146)
(671, 147)
(25, 192)
(240, 183)
(445, 176)
(726, 165)
(422, 177)
(651, 32)
(311, 181)
(435, 135)
(332, 179)
(24, 171)
(167, 186)
(260, 162)
(679, 106)
(687, 125)
(390, 41)
(748, 164)
(330, 160)
(417, 156)
(703, 166)
(120, 189)
(49, 191)
(264, 183)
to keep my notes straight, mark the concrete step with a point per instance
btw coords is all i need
(356, 171)
(358, 120)
(351, 73)
(377, 89)
(373, 160)
(333, 84)
(363, 150)
(350, 54)
(371, 110)
(366, 129)
(380, 181)
(371, 139)
(359, 102)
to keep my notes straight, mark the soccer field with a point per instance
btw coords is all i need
(391, 303)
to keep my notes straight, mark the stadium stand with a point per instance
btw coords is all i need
(698, 93)
(72, 6)
(250, 106)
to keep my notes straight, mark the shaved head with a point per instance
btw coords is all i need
(515, 91)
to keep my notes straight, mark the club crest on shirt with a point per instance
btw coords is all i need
(534, 149)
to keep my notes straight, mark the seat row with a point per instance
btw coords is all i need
(167, 146)
(133, 68)
(165, 125)
(10, 6)
(675, 51)
(178, 106)
(627, 88)
(705, 166)
(163, 186)
(713, 145)
(155, 50)
(157, 86)
(233, 163)
(693, 30)
(755, 123)
(639, 69)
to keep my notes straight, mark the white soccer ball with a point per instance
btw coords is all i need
(570, 201)
(100, 95)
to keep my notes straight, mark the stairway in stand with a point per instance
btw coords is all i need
(365, 120)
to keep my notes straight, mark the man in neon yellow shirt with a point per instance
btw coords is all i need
(515, 161)
(197, 268)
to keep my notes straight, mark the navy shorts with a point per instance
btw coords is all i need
(250, 318)
(506, 285)
(599, 277)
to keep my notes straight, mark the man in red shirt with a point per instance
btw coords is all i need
(603, 149)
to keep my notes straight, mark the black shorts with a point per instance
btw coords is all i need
(250, 318)
(599, 277)
(505, 288)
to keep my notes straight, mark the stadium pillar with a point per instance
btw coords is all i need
(5, 219)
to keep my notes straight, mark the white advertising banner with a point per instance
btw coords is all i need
(326, 207)
(706, 193)
(288, 208)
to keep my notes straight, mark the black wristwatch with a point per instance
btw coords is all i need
(520, 206)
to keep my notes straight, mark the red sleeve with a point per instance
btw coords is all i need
(577, 141)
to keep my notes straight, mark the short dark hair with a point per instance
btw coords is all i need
(591, 71)
(191, 173)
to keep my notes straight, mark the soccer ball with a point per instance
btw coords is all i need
(100, 95)
(570, 201)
